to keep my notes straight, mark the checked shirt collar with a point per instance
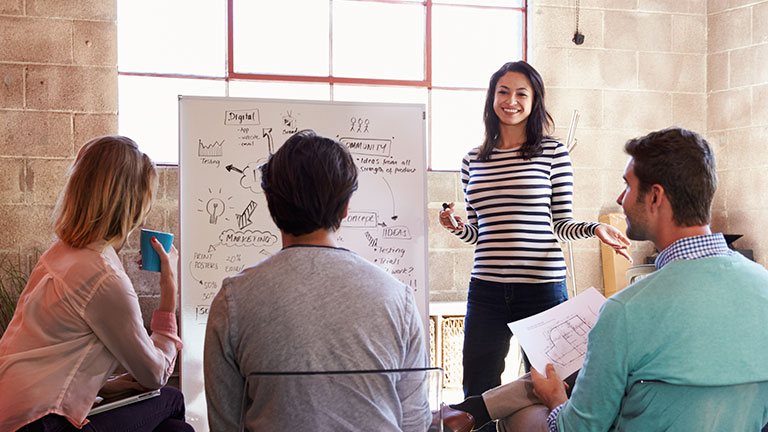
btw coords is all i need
(695, 247)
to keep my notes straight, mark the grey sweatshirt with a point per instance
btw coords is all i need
(315, 308)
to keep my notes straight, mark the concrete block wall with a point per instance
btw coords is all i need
(737, 117)
(164, 216)
(58, 88)
(644, 65)
(450, 259)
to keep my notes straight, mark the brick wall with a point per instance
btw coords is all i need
(737, 117)
(58, 87)
(645, 64)
(450, 259)
(642, 67)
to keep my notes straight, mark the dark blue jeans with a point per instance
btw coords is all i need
(490, 306)
(162, 413)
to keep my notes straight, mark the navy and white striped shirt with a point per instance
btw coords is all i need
(517, 210)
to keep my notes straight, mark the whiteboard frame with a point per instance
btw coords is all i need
(199, 419)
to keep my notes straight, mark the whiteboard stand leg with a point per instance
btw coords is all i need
(571, 269)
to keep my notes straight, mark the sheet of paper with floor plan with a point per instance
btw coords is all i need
(559, 335)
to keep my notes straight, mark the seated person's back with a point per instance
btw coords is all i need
(673, 407)
(314, 307)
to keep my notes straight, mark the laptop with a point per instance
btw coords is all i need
(107, 405)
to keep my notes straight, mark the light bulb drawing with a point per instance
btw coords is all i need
(215, 208)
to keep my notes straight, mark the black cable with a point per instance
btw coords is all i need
(578, 38)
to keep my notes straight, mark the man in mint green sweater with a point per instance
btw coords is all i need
(683, 349)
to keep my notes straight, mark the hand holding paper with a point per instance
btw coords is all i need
(549, 388)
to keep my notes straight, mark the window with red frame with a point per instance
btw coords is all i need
(439, 53)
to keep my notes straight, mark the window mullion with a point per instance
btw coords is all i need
(330, 47)
(428, 43)
(230, 53)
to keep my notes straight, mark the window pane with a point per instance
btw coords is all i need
(470, 44)
(457, 126)
(500, 3)
(378, 40)
(358, 93)
(172, 36)
(148, 111)
(280, 90)
(285, 37)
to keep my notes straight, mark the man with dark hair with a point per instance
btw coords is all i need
(681, 162)
(308, 184)
(288, 339)
(684, 348)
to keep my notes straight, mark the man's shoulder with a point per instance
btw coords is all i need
(718, 268)
(322, 262)
(697, 274)
(265, 265)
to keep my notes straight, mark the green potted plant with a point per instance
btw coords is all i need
(13, 279)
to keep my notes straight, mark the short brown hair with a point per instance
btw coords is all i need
(681, 162)
(108, 193)
(308, 183)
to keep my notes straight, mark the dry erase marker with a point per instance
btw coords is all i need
(450, 215)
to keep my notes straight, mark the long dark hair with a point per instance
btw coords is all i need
(539, 122)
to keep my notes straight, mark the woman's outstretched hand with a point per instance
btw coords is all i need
(614, 238)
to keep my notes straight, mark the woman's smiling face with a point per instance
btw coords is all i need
(513, 99)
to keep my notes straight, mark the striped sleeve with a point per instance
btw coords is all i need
(561, 177)
(470, 233)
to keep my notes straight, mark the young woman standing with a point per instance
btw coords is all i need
(518, 188)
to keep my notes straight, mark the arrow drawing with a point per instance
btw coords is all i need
(244, 219)
(267, 133)
(394, 211)
(231, 167)
(193, 275)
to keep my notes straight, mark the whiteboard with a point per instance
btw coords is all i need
(225, 223)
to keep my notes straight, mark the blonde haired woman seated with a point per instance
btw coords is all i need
(78, 318)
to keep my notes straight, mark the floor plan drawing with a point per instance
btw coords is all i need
(568, 340)
(559, 335)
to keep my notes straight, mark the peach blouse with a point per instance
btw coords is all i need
(76, 320)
